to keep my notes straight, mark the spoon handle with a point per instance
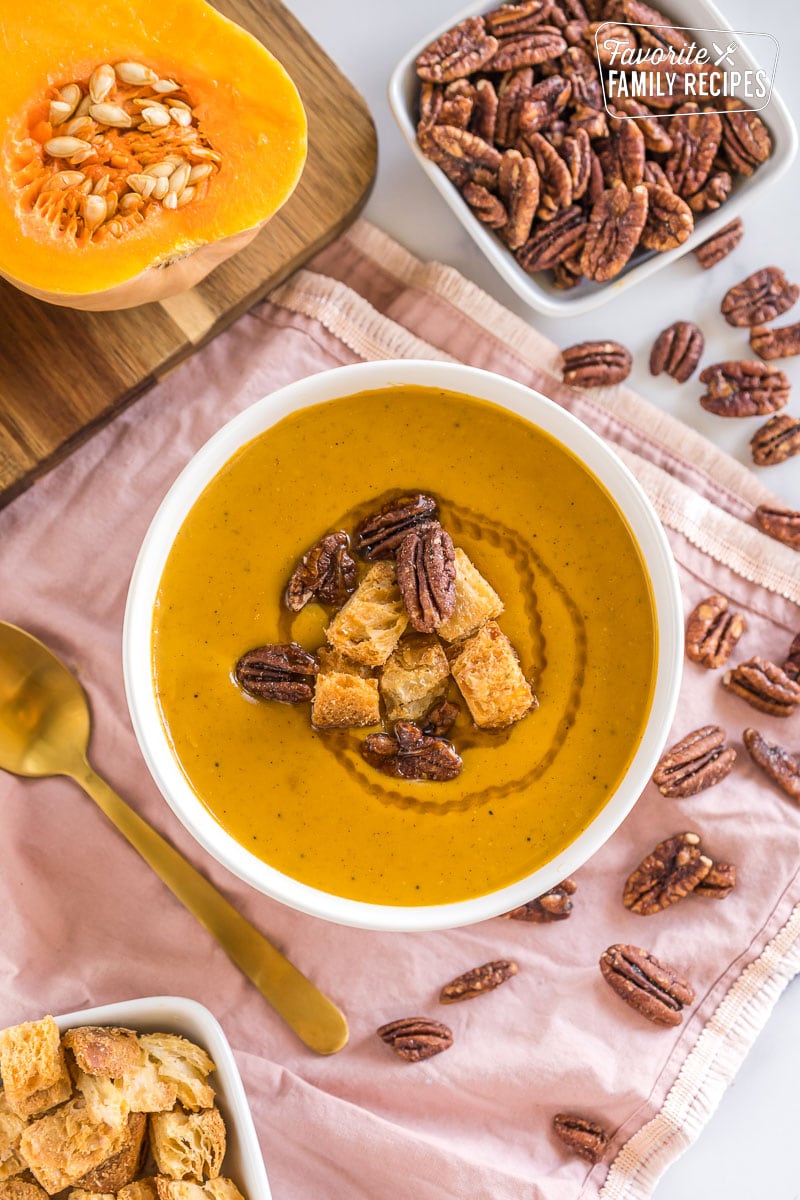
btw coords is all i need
(314, 1018)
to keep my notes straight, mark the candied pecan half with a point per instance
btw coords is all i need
(698, 761)
(596, 364)
(576, 150)
(585, 1138)
(677, 350)
(326, 572)
(607, 39)
(463, 156)
(628, 152)
(579, 66)
(719, 245)
(668, 873)
(783, 524)
(776, 343)
(669, 222)
(543, 103)
(477, 981)
(654, 130)
(426, 576)
(651, 987)
(765, 685)
(518, 184)
(782, 767)
(695, 140)
(512, 19)
(760, 298)
(554, 241)
(712, 194)
(743, 389)
(776, 441)
(615, 226)
(527, 49)
(718, 883)
(659, 31)
(411, 754)
(511, 93)
(281, 672)
(416, 1038)
(380, 534)
(555, 905)
(441, 719)
(487, 207)
(792, 664)
(457, 53)
(555, 180)
(712, 631)
(746, 141)
(484, 111)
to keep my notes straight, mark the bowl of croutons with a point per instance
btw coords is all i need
(402, 644)
(139, 1100)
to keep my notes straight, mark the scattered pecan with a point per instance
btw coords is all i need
(746, 142)
(782, 767)
(416, 1038)
(718, 883)
(760, 298)
(596, 364)
(695, 140)
(669, 222)
(555, 905)
(776, 343)
(615, 226)
(783, 524)
(712, 194)
(326, 572)
(583, 1137)
(651, 987)
(477, 981)
(720, 245)
(776, 441)
(792, 664)
(379, 535)
(677, 350)
(441, 719)
(554, 241)
(411, 754)
(698, 761)
(744, 389)
(668, 873)
(518, 184)
(712, 632)
(765, 685)
(527, 49)
(426, 576)
(465, 48)
(513, 19)
(282, 672)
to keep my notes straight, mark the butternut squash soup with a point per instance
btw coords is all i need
(573, 614)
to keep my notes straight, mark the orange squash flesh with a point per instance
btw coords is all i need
(245, 105)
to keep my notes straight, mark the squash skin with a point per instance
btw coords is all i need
(255, 120)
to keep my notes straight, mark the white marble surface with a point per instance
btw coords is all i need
(747, 1151)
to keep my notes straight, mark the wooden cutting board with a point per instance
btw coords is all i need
(65, 373)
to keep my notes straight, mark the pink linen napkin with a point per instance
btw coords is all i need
(476, 1121)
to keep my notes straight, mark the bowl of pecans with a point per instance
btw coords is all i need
(584, 145)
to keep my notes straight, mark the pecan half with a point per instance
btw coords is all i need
(719, 245)
(281, 672)
(759, 298)
(776, 441)
(712, 194)
(765, 685)
(326, 572)
(426, 576)
(746, 141)
(695, 140)
(379, 535)
(511, 19)
(607, 40)
(677, 350)
(484, 110)
(579, 66)
(792, 664)
(668, 873)
(527, 49)
(776, 343)
(596, 364)
(441, 719)
(698, 761)
(576, 150)
(669, 222)
(463, 156)
(718, 883)
(465, 48)
(583, 1137)
(555, 180)
(518, 185)
(416, 1038)
(554, 241)
(487, 207)
(543, 103)
(782, 767)
(628, 152)
(783, 524)
(655, 133)
(615, 226)
(555, 905)
(411, 754)
(744, 389)
(653, 988)
(659, 32)
(478, 980)
(712, 631)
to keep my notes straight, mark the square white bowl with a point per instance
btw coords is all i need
(243, 1163)
(537, 290)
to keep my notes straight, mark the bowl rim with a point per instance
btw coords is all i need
(517, 398)
(547, 299)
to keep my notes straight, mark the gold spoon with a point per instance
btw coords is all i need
(44, 730)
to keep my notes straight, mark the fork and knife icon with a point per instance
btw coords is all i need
(724, 56)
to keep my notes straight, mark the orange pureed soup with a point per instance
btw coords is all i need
(578, 609)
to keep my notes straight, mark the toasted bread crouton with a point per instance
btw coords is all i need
(11, 1127)
(344, 700)
(63, 1146)
(104, 1050)
(35, 1076)
(182, 1065)
(487, 671)
(222, 1189)
(368, 627)
(82, 1194)
(179, 1189)
(120, 1168)
(111, 1100)
(476, 602)
(414, 678)
(333, 660)
(20, 1189)
(142, 1189)
(188, 1145)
